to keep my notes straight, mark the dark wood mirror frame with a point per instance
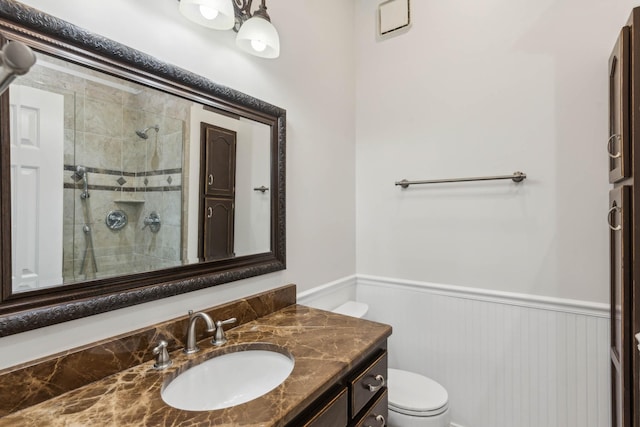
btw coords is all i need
(24, 311)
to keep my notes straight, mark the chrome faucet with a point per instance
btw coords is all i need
(191, 346)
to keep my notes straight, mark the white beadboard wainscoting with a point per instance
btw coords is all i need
(507, 360)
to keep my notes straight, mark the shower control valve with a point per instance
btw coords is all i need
(153, 222)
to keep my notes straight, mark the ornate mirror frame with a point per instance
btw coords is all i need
(24, 311)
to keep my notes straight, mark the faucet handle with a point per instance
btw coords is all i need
(163, 360)
(220, 337)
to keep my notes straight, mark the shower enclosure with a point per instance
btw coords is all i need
(122, 178)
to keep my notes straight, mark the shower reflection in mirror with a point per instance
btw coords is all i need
(122, 150)
(81, 174)
(85, 144)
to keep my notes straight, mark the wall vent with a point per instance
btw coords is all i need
(394, 17)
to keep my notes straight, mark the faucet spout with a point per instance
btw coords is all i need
(191, 346)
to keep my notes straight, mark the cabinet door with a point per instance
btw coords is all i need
(217, 240)
(619, 99)
(620, 287)
(219, 156)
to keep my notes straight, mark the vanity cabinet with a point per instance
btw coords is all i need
(358, 399)
(217, 188)
(623, 151)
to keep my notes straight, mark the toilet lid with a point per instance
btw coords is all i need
(414, 394)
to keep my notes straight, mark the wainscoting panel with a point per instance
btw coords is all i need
(506, 360)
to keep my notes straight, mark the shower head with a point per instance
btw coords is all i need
(143, 133)
(79, 173)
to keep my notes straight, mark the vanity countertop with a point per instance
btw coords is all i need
(325, 346)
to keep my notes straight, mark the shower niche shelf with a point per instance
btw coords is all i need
(130, 201)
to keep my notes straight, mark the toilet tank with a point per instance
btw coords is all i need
(353, 309)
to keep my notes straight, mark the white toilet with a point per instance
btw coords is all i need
(414, 400)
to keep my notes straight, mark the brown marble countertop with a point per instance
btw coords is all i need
(324, 345)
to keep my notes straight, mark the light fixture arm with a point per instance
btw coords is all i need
(242, 10)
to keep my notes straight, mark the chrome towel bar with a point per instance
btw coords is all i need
(516, 177)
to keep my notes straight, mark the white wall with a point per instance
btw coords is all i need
(487, 88)
(312, 80)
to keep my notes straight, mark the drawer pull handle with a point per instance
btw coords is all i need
(381, 420)
(210, 180)
(209, 212)
(373, 388)
(609, 146)
(614, 209)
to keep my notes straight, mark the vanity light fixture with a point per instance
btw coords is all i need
(256, 34)
(216, 14)
(16, 59)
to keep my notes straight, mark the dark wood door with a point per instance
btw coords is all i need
(219, 157)
(621, 346)
(218, 229)
(217, 192)
(618, 144)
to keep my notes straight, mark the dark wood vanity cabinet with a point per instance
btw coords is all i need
(623, 150)
(358, 399)
(217, 188)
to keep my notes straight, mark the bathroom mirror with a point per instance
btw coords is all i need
(106, 188)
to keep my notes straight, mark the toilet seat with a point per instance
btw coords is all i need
(415, 395)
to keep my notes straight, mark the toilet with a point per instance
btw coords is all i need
(414, 400)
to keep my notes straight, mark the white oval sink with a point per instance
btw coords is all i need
(228, 380)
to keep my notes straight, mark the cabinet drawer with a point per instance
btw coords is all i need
(378, 414)
(365, 385)
(333, 414)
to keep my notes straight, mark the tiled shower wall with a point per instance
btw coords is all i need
(124, 171)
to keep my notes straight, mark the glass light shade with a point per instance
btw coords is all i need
(216, 14)
(259, 37)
